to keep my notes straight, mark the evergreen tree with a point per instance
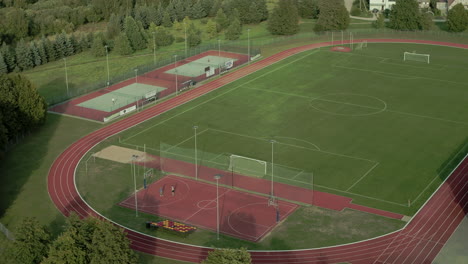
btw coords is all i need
(262, 9)
(166, 21)
(97, 48)
(237, 256)
(8, 56)
(72, 45)
(181, 9)
(3, 66)
(61, 45)
(211, 29)
(122, 45)
(234, 30)
(457, 18)
(171, 12)
(50, 50)
(69, 48)
(405, 15)
(215, 8)
(207, 6)
(193, 36)
(23, 56)
(333, 16)
(42, 50)
(309, 8)
(31, 242)
(114, 26)
(141, 15)
(134, 34)
(83, 43)
(425, 21)
(197, 11)
(221, 20)
(36, 58)
(159, 15)
(284, 19)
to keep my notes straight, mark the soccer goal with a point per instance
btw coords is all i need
(361, 45)
(413, 56)
(247, 166)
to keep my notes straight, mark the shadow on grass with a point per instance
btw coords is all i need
(55, 90)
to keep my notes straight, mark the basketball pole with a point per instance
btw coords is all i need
(196, 159)
(272, 166)
(134, 183)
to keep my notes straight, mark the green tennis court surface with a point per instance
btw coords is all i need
(197, 67)
(121, 97)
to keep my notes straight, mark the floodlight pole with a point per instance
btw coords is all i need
(154, 48)
(176, 79)
(107, 61)
(185, 29)
(66, 75)
(248, 44)
(219, 55)
(341, 37)
(196, 160)
(272, 165)
(217, 177)
(136, 76)
(134, 157)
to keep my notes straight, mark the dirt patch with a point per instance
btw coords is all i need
(122, 155)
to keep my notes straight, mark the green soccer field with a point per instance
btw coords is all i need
(365, 125)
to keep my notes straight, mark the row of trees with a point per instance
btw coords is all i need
(83, 241)
(22, 109)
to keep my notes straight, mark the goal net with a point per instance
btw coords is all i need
(362, 44)
(247, 166)
(412, 56)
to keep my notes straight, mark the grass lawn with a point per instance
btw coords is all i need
(355, 121)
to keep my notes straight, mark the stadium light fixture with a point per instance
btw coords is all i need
(248, 44)
(176, 77)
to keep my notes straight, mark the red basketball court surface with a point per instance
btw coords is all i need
(242, 215)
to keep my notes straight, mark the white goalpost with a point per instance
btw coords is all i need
(413, 56)
(362, 44)
(247, 166)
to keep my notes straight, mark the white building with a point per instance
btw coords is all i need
(442, 5)
(381, 5)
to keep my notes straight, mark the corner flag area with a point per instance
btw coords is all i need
(242, 215)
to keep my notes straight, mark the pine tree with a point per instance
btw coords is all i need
(114, 26)
(3, 66)
(221, 20)
(69, 48)
(122, 45)
(74, 45)
(159, 15)
(197, 11)
(50, 50)
(97, 48)
(234, 30)
(207, 6)
(284, 19)
(262, 9)
(8, 56)
(23, 56)
(134, 34)
(457, 18)
(181, 9)
(61, 45)
(42, 50)
(171, 12)
(36, 58)
(166, 21)
(215, 8)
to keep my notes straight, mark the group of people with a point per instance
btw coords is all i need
(161, 190)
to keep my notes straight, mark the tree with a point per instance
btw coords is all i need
(122, 45)
(8, 56)
(333, 16)
(221, 20)
(42, 51)
(114, 26)
(134, 34)
(16, 23)
(197, 11)
(425, 21)
(231, 256)
(234, 30)
(69, 48)
(65, 250)
(405, 15)
(97, 48)
(36, 58)
(61, 45)
(166, 21)
(31, 242)
(309, 8)
(3, 66)
(380, 22)
(211, 29)
(193, 36)
(163, 37)
(50, 50)
(284, 19)
(23, 56)
(457, 18)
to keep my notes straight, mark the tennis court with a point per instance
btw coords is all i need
(124, 96)
(198, 67)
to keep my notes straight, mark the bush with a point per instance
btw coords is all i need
(204, 21)
(179, 39)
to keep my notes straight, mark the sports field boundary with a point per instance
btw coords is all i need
(64, 194)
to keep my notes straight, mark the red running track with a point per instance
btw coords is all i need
(418, 242)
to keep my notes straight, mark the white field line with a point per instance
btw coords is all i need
(437, 176)
(398, 74)
(428, 117)
(297, 175)
(182, 142)
(211, 160)
(316, 150)
(212, 201)
(226, 92)
(363, 176)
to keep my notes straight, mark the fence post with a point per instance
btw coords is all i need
(7, 232)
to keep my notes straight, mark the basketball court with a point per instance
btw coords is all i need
(242, 215)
